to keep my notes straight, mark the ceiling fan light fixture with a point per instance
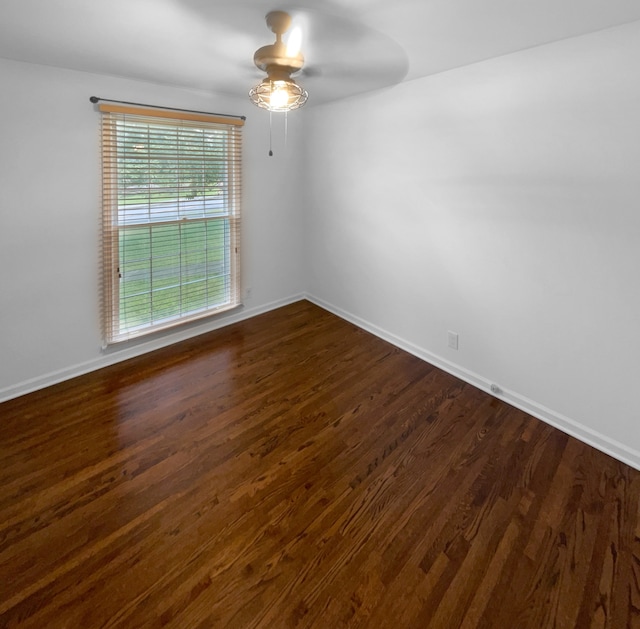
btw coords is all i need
(278, 91)
(278, 95)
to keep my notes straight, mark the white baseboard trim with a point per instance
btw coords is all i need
(569, 426)
(115, 356)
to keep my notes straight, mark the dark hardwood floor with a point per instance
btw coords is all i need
(295, 471)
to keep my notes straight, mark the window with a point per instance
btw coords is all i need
(171, 215)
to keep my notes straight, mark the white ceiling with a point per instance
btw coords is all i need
(351, 46)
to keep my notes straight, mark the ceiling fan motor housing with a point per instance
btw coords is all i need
(274, 59)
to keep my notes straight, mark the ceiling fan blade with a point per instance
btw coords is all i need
(311, 71)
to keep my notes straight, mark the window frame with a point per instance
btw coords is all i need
(115, 221)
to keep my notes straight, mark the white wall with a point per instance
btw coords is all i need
(50, 209)
(499, 201)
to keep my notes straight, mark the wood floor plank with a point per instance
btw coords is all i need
(294, 471)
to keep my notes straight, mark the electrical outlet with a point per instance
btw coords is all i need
(452, 339)
(247, 292)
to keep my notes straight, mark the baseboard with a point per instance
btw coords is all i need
(112, 357)
(601, 442)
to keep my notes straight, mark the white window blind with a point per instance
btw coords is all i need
(171, 218)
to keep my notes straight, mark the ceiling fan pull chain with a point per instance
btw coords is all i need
(286, 129)
(270, 121)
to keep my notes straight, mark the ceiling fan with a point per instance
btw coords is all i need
(278, 91)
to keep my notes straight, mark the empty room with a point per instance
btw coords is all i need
(320, 314)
